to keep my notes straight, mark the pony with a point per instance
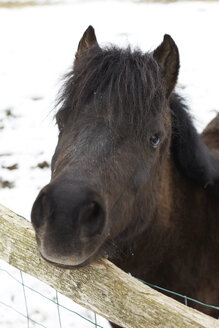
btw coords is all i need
(131, 177)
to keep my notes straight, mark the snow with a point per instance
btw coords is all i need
(37, 47)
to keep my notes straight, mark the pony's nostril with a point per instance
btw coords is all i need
(40, 210)
(92, 219)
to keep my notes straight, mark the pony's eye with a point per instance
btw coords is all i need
(154, 140)
(60, 125)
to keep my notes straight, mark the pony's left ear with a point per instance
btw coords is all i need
(167, 56)
(88, 40)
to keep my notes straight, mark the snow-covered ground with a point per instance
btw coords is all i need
(37, 47)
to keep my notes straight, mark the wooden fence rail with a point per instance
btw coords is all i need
(100, 287)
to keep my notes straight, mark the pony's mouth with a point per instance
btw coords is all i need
(73, 261)
(69, 266)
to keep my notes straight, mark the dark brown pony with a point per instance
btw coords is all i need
(131, 177)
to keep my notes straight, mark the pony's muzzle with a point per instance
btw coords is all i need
(69, 220)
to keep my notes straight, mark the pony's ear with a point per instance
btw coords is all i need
(167, 56)
(88, 40)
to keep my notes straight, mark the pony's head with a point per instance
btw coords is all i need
(115, 130)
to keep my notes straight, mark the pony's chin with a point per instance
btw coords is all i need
(68, 264)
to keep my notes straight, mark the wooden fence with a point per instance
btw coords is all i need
(100, 287)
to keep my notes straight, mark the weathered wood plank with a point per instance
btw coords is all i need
(100, 287)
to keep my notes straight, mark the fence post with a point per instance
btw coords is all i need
(100, 287)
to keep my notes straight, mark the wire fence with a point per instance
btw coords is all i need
(30, 322)
(93, 322)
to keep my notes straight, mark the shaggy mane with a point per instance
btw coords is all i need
(191, 155)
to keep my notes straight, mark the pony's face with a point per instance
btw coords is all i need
(114, 133)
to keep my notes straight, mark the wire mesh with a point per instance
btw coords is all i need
(92, 320)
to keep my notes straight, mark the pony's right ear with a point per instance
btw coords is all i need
(88, 40)
(167, 56)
